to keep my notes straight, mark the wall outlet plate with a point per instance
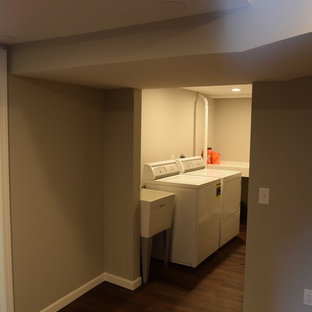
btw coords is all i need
(264, 196)
(307, 297)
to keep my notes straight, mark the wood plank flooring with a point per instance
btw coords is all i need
(216, 285)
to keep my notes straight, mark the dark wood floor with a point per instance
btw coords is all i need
(216, 285)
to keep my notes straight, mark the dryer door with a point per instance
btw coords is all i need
(208, 233)
(231, 197)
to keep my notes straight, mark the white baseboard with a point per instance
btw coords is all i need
(125, 283)
(61, 303)
(105, 277)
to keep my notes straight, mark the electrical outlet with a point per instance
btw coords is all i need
(264, 196)
(307, 297)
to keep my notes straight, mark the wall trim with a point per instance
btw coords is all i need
(61, 303)
(122, 282)
(6, 276)
(105, 277)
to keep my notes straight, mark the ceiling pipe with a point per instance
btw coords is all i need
(195, 124)
(205, 143)
(205, 140)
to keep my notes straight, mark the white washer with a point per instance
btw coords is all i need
(195, 230)
(230, 194)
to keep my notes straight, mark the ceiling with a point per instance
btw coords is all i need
(31, 20)
(222, 92)
(158, 43)
(283, 60)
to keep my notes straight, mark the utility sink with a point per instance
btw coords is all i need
(156, 211)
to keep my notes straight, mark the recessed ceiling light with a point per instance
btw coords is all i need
(236, 89)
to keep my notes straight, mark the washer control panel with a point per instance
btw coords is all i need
(154, 171)
(190, 164)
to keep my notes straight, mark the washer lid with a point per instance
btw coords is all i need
(192, 181)
(243, 167)
(226, 175)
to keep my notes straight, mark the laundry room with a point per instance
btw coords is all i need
(85, 104)
(173, 126)
(173, 123)
(210, 206)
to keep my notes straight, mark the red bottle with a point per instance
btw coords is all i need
(209, 155)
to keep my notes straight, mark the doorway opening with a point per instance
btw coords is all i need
(173, 126)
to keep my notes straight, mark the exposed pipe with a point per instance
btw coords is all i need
(205, 145)
(205, 142)
(195, 124)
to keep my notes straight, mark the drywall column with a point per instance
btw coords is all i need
(122, 128)
(6, 283)
(279, 253)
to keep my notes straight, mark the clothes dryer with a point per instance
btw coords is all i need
(195, 230)
(230, 193)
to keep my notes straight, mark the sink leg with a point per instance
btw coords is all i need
(167, 235)
(146, 249)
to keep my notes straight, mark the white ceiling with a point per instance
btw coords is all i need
(31, 20)
(106, 44)
(283, 60)
(222, 92)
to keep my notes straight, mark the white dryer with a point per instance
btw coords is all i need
(230, 193)
(195, 230)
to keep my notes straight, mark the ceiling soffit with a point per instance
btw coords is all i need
(32, 20)
(287, 59)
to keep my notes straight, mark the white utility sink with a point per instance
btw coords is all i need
(156, 211)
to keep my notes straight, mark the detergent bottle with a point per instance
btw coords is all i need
(209, 155)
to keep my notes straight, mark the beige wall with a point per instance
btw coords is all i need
(279, 254)
(68, 145)
(168, 124)
(232, 120)
(57, 170)
(122, 125)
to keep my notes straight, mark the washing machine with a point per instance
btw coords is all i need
(230, 193)
(195, 229)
